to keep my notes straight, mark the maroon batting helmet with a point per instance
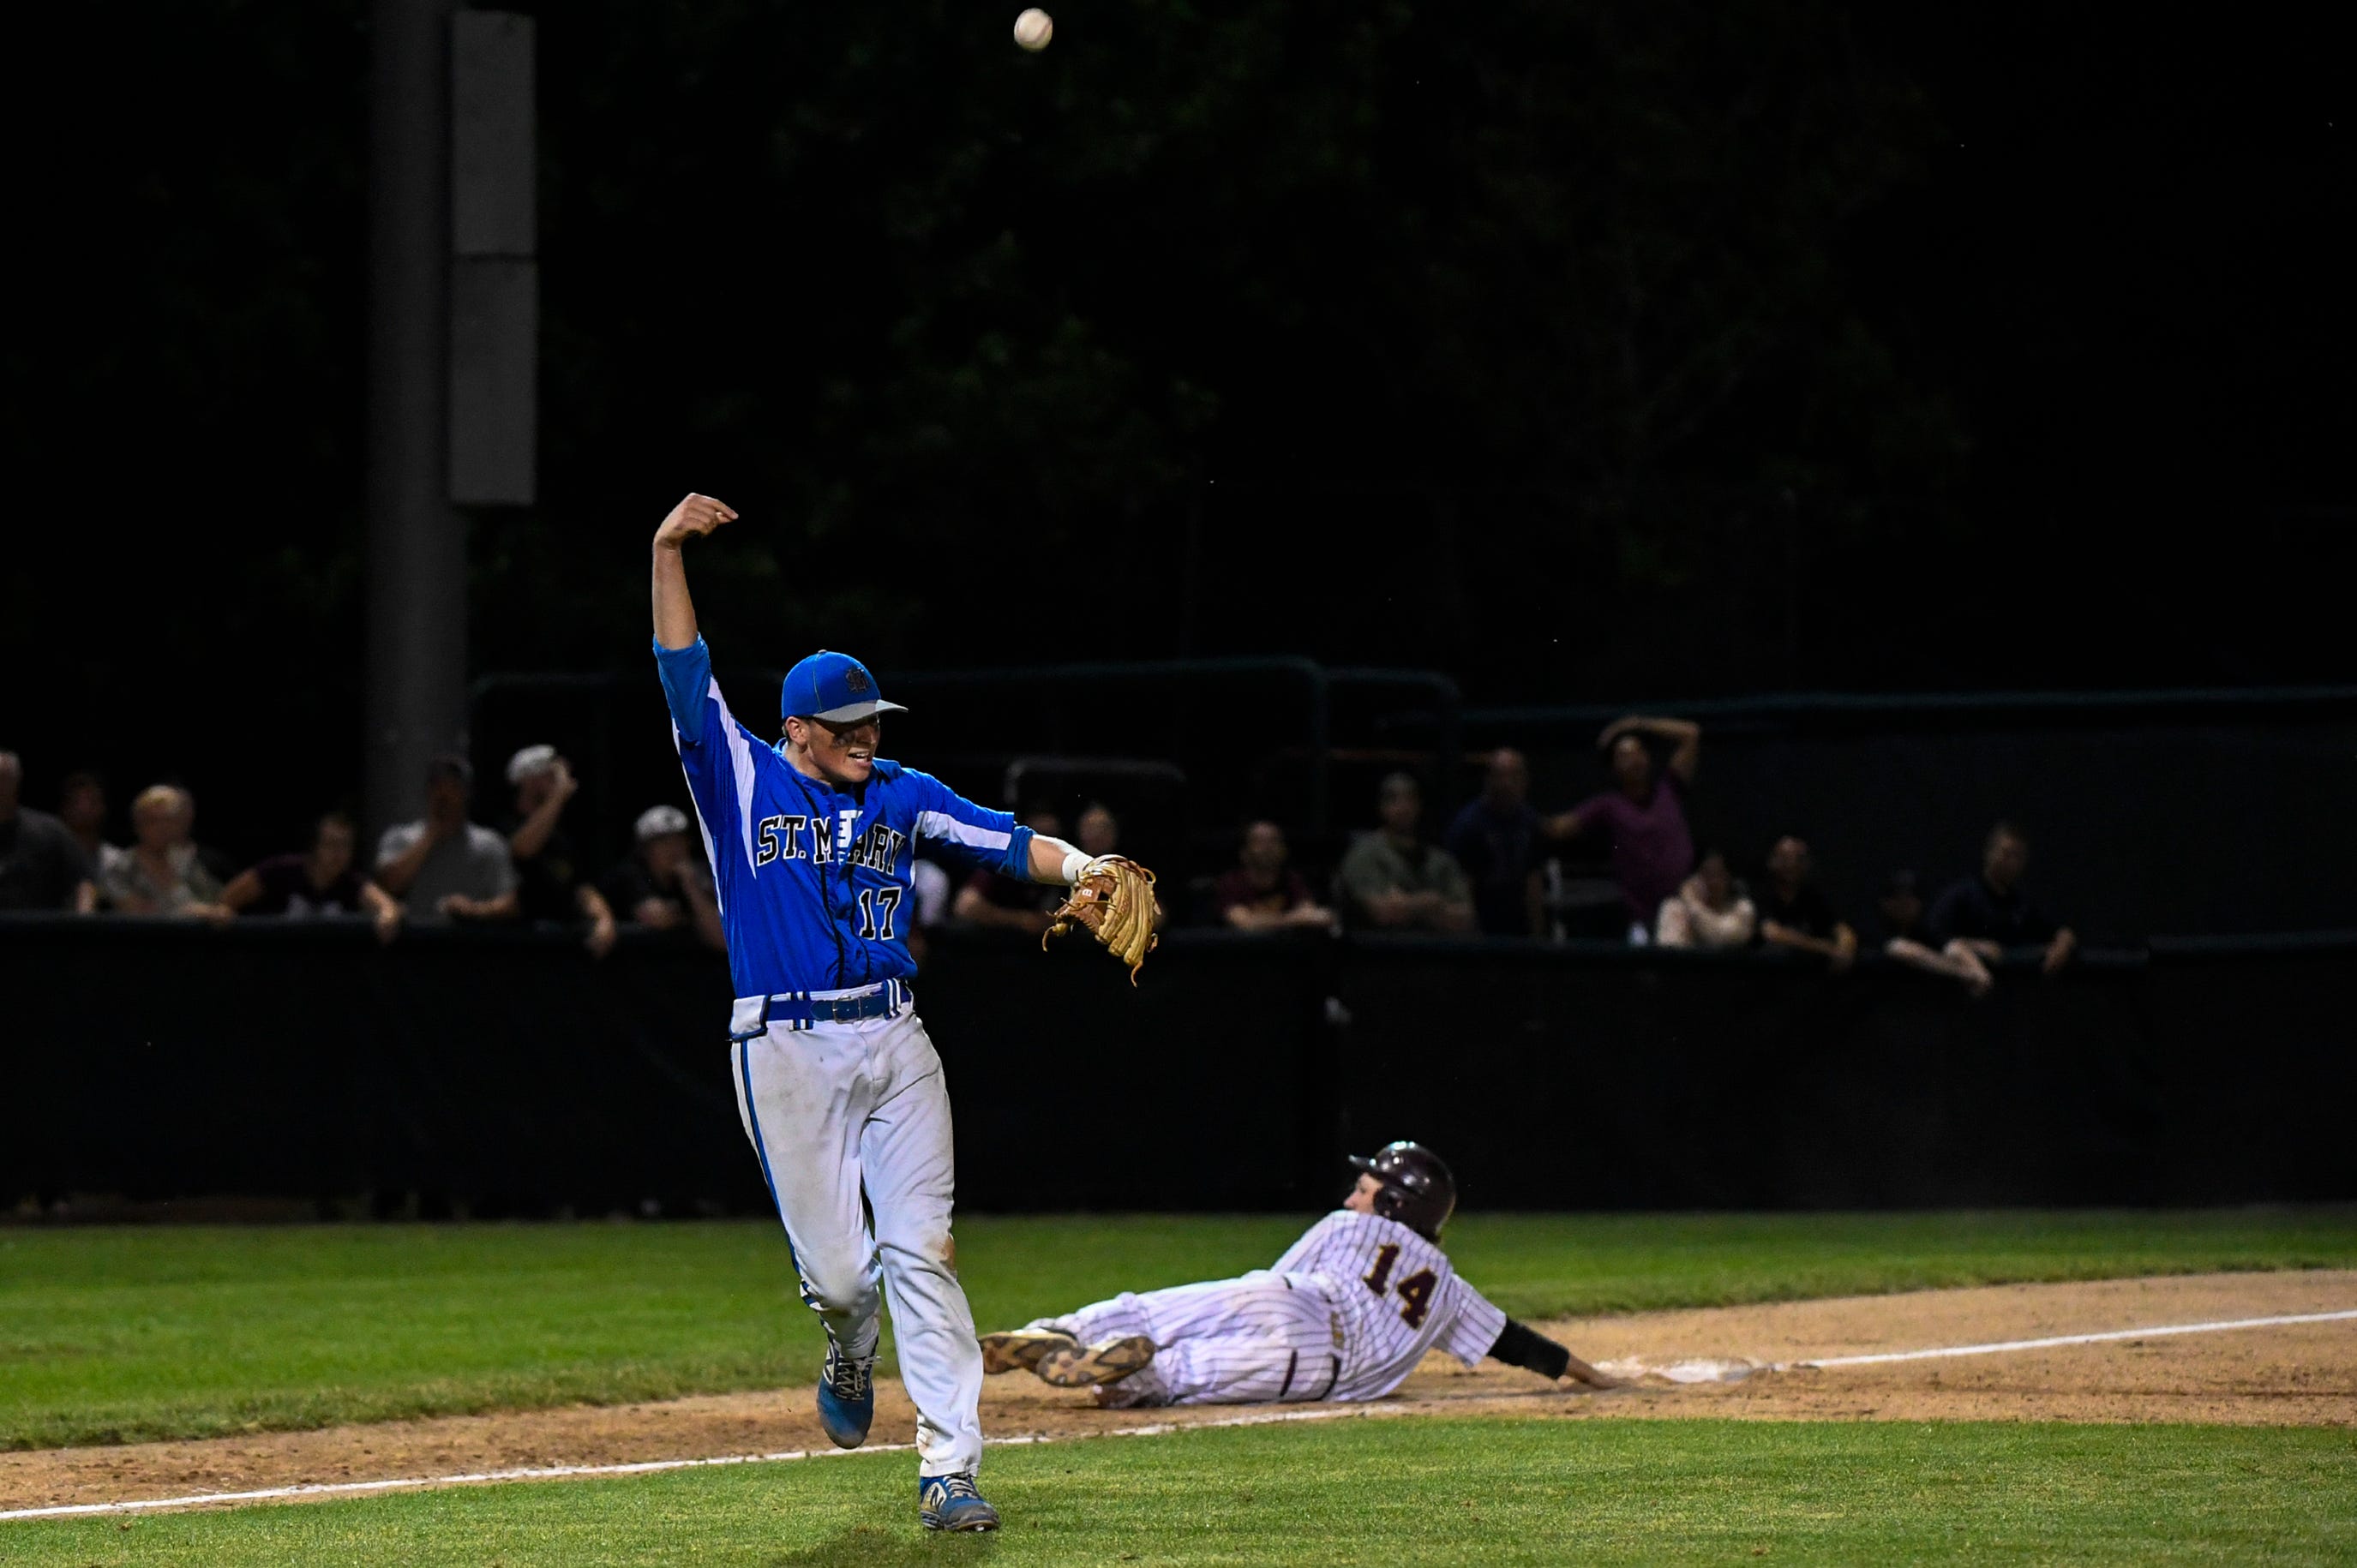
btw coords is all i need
(1417, 1189)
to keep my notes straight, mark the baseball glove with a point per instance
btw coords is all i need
(1113, 902)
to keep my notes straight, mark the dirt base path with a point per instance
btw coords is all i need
(2288, 1375)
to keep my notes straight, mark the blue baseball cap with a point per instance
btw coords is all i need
(834, 687)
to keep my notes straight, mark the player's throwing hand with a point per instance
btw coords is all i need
(814, 841)
(694, 516)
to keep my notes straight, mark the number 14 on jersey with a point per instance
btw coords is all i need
(1414, 1292)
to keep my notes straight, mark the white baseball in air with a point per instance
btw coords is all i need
(1034, 29)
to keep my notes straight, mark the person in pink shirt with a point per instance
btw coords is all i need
(1644, 817)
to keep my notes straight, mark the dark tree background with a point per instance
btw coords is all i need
(1589, 350)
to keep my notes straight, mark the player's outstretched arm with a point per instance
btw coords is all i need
(1580, 1371)
(1522, 1347)
(1054, 863)
(674, 610)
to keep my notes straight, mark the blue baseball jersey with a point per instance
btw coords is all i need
(815, 883)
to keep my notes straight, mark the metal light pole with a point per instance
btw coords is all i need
(417, 539)
(453, 325)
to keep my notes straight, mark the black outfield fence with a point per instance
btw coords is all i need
(508, 1072)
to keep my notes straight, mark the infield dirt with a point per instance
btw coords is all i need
(2303, 1374)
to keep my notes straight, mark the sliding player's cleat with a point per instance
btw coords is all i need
(1106, 1361)
(1019, 1349)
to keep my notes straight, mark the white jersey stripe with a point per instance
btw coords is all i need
(941, 825)
(740, 763)
(703, 831)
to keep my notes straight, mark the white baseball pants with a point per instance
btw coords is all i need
(834, 1110)
(1255, 1340)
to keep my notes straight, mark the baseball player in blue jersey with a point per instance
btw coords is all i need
(812, 841)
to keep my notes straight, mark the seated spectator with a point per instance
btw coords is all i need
(1644, 817)
(1264, 893)
(1899, 908)
(1393, 881)
(1495, 838)
(443, 867)
(1793, 914)
(930, 884)
(321, 882)
(1098, 831)
(81, 806)
(1907, 937)
(1006, 904)
(1987, 914)
(664, 884)
(550, 884)
(41, 866)
(1710, 909)
(163, 874)
(932, 890)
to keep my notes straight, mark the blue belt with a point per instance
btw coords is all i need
(799, 1010)
(883, 1003)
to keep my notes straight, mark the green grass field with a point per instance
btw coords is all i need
(108, 1334)
(117, 1335)
(1388, 1492)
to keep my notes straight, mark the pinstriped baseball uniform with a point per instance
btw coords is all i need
(1346, 1314)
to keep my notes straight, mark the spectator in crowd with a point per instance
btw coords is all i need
(163, 874)
(1263, 893)
(1495, 838)
(41, 866)
(930, 884)
(1987, 914)
(1899, 910)
(1644, 817)
(664, 884)
(1097, 831)
(1907, 937)
(1394, 881)
(1710, 909)
(81, 806)
(1793, 914)
(443, 867)
(930, 889)
(550, 885)
(1003, 903)
(321, 882)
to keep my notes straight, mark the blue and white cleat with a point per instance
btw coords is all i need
(847, 1397)
(950, 1502)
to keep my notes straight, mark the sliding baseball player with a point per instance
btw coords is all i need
(1346, 1314)
(813, 843)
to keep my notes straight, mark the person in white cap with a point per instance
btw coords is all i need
(663, 883)
(550, 883)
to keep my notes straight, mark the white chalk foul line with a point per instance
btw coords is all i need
(643, 1467)
(1991, 1350)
